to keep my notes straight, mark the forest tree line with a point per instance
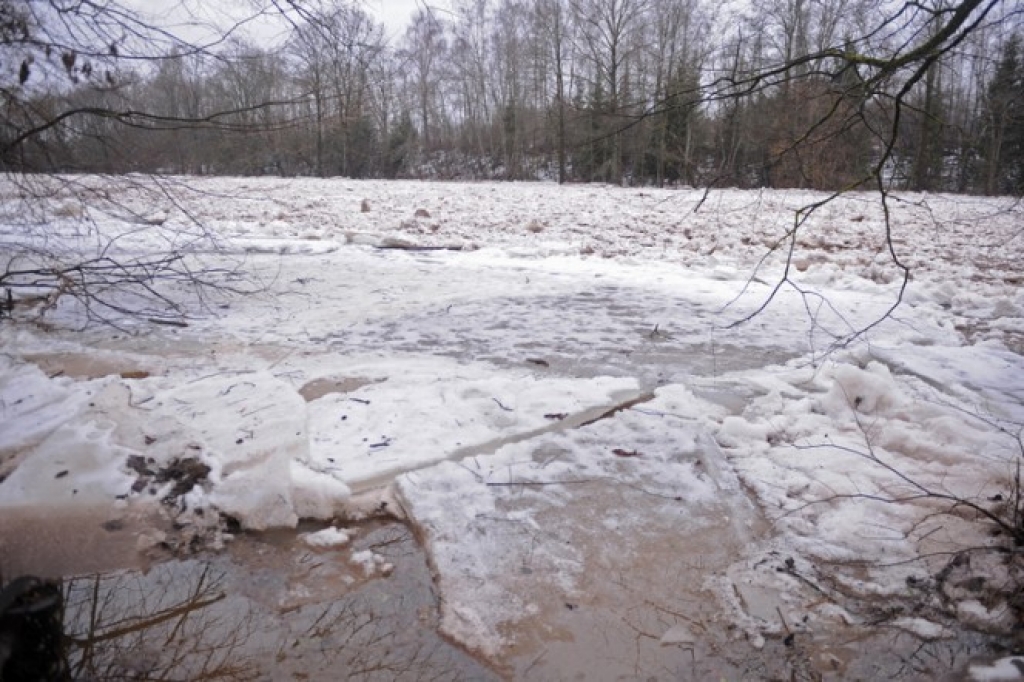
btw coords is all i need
(770, 93)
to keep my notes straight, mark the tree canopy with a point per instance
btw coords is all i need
(825, 94)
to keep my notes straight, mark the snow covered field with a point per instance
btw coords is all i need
(608, 477)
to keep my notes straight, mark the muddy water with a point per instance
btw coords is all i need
(642, 609)
(54, 542)
(268, 608)
(271, 607)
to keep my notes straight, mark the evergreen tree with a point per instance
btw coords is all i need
(1004, 114)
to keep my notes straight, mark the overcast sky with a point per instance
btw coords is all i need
(180, 16)
(396, 13)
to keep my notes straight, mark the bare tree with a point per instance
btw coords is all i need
(424, 50)
(1003, 117)
(879, 80)
(470, 54)
(552, 15)
(610, 31)
(67, 73)
(784, 93)
(678, 53)
(335, 47)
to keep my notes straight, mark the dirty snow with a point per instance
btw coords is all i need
(559, 399)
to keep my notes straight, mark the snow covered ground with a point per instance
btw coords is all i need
(607, 474)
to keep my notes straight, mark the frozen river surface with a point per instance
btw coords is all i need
(608, 477)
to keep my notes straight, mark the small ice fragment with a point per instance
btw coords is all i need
(925, 629)
(328, 537)
(372, 562)
(1011, 668)
(677, 634)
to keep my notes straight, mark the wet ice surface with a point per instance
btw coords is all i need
(607, 478)
(594, 540)
(648, 335)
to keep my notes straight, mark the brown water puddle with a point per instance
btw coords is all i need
(92, 365)
(141, 357)
(273, 607)
(318, 388)
(270, 607)
(643, 611)
(51, 542)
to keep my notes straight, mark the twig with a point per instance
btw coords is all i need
(507, 409)
(503, 484)
(785, 625)
(167, 323)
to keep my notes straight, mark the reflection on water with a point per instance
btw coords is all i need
(273, 608)
(266, 610)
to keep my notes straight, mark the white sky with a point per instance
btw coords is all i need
(396, 13)
(181, 16)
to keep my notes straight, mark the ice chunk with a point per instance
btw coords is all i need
(252, 427)
(316, 495)
(1002, 670)
(925, 629)
(328, 537)
(870, 391)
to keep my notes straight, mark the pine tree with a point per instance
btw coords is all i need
(1004, 114)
